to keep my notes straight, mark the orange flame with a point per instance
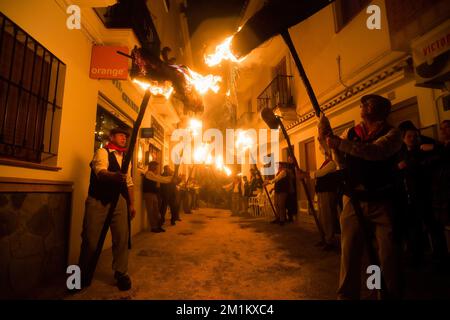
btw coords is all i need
(244, 141)
(155, 88)
(227, 171)
(223, 52)
(202, 84)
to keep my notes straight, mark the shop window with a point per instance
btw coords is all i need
(31, 94)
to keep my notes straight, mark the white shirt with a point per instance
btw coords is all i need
(100, 162)
(328, 168)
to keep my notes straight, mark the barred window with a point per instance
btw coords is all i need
(31, 93)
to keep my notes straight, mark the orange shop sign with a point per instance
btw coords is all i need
(106, 63)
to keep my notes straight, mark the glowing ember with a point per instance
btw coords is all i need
(223, 52)
(202, 84)
(155, 88)
(228, 93)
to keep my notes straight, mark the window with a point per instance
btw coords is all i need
(31, 93)
(346, 10)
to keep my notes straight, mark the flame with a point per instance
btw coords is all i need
(223, 52)
(155, 88)
(244, 141)
(200, 153)
(195, 126)
(140, 154)
(227, 171)
(219, 162)
(228, 93)
(209, 159)
(202, 84)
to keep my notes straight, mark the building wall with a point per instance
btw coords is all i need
(367, 60)
(76, 140)
(46, 22)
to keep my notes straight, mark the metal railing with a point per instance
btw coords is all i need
(31, 92)
(277, 94)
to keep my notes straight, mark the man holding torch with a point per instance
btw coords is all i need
(367, 152)
(106, 181)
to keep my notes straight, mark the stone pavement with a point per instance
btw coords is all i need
(213, 255)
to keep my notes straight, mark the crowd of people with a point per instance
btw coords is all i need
(168, 191)
(388, 187)
(386, 190)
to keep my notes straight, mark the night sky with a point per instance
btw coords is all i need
(199, 10)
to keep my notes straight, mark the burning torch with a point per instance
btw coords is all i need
(276, 17)
(282, 15)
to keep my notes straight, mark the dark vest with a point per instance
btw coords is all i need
(377, 177)
(105, 190)
(282, 185)
(149, 186)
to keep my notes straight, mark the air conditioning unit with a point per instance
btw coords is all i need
(431, 55)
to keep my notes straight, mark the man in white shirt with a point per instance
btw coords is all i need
(105, 182)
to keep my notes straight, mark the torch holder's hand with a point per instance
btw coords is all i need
(324, 127)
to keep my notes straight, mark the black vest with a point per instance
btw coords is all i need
(377, 177)
(149, 186)
(105, 190)
(282, 185)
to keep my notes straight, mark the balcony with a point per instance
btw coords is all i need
(278, 97)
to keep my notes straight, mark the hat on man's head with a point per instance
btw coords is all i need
(119, 130)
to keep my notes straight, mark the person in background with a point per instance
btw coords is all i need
(291, 201)
(246, 195)
(327, 190)
(235, 187)
(151, 185)
(441, 196)
(168, 192)
(281, 187)
(185, 195)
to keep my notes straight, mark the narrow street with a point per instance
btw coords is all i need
(213, 255)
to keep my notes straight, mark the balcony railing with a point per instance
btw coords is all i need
(277, 94)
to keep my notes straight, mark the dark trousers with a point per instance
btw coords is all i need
(171, 202)
(291, 205)
(186, 201)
